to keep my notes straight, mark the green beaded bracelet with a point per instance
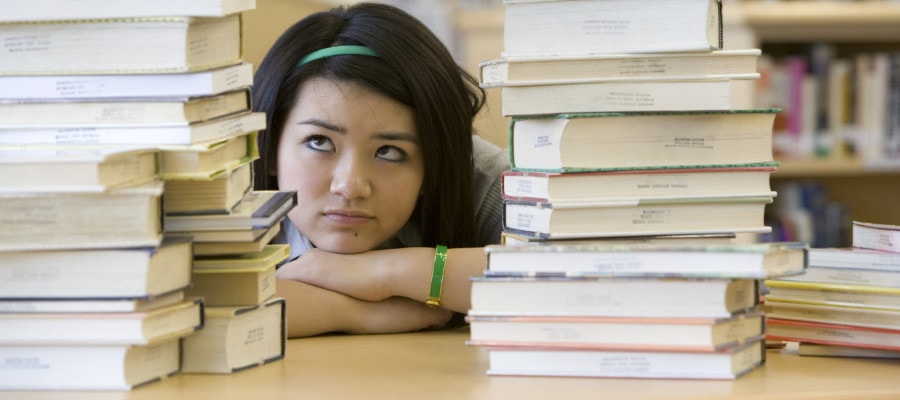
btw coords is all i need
(437, 276)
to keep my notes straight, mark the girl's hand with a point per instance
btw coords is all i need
(363, 276)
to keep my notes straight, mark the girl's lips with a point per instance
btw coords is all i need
(346, 217)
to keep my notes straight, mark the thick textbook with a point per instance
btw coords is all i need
(78, 367)
(237, 280)
(528, 361)
(573, 142)
(110, 87)
(885, 237)
(834, 314)
(635, 183)
(841, 294)
(636, 218)
(117, 305)
(102, 328)
(48, 10)
(833, 334)
(121, 112)
(216, 195)
(617, 333)
(564, 27)
(237, 338)
(96, 274)
(628, 95)
(62, 169)
(594, 67)
(612, 297)
(259, 209)
(233, 248)
(826, 350)
(150, 135)
(120, 45)
(130, 217)
(758, 260)
(208, 160)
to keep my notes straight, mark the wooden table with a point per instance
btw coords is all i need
(439, 365)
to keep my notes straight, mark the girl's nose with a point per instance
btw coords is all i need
(350, 179)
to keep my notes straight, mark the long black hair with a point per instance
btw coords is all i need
(414, 68)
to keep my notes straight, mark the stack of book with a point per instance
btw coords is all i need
(848, 302)
(103, 105)
(628, 141)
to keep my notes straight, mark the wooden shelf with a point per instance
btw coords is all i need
(820, 20)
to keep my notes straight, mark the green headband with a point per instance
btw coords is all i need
(337, 51)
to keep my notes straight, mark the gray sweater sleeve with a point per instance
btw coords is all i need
(490, 160)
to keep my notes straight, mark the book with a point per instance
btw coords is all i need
(636, 218)
(155, 135)
(636, 183)
(236, 280)
(257, 210)
(833, 294)
(231, 248)
(825, 350)
(593, 67)
(96, 274)
(756, 260)
(223, 237)
(514, 239)
(112, 367)
(63, 169)
(884, 237)
(216, 195)
(724, 364)
(612, 297)
(102, 328)
(237, 338)
(120, 45)
(617, 333)
(130, 217)
(121, 111)
(585, 27)
(627, 95)
(832, 334)
(48, 10)
(113, 87)
(118, 305)
(665, 140)
(207, 160)
(851, 265)
(835, 314)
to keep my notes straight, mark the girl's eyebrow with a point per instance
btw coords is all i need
(404, 136)
(322, 124)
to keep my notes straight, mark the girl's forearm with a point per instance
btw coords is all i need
(410, 273)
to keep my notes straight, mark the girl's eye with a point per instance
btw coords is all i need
(391, 153)
(319, 143)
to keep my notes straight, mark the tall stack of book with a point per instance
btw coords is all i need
(848, 302)
(103, 106)
(629, 149)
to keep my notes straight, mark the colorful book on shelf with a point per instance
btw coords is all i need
(115, 87)
(833, 334)
(759, 260)
(616, 333)
(130, 217)
(729, 363)
(259, 209)
(833, 294)
(885, 237)
(96, 274)
(216, 195)
(612, 297)
(63, 169)
(573, 219)
(563, 27)
(826, 350)
(102, 328)
(834, 314)
(121, 111)
(50, 10)
(237, 338)
(585, 141)
(116, 305)
(232, 248)
(120, 45)
(208, 160)
(156, 135)
(79, 367)
(236, 280)
(634, 183)
(595, 67)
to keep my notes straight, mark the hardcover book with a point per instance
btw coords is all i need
(63, 169)
(217, 195)
(883, 237)
(833, 294)
(49, 10)
(832, 334)
(208, 160)
(236, 280)
(259, 209)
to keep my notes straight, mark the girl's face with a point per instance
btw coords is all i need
(353, 157)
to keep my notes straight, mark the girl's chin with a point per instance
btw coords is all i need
(346, 246)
